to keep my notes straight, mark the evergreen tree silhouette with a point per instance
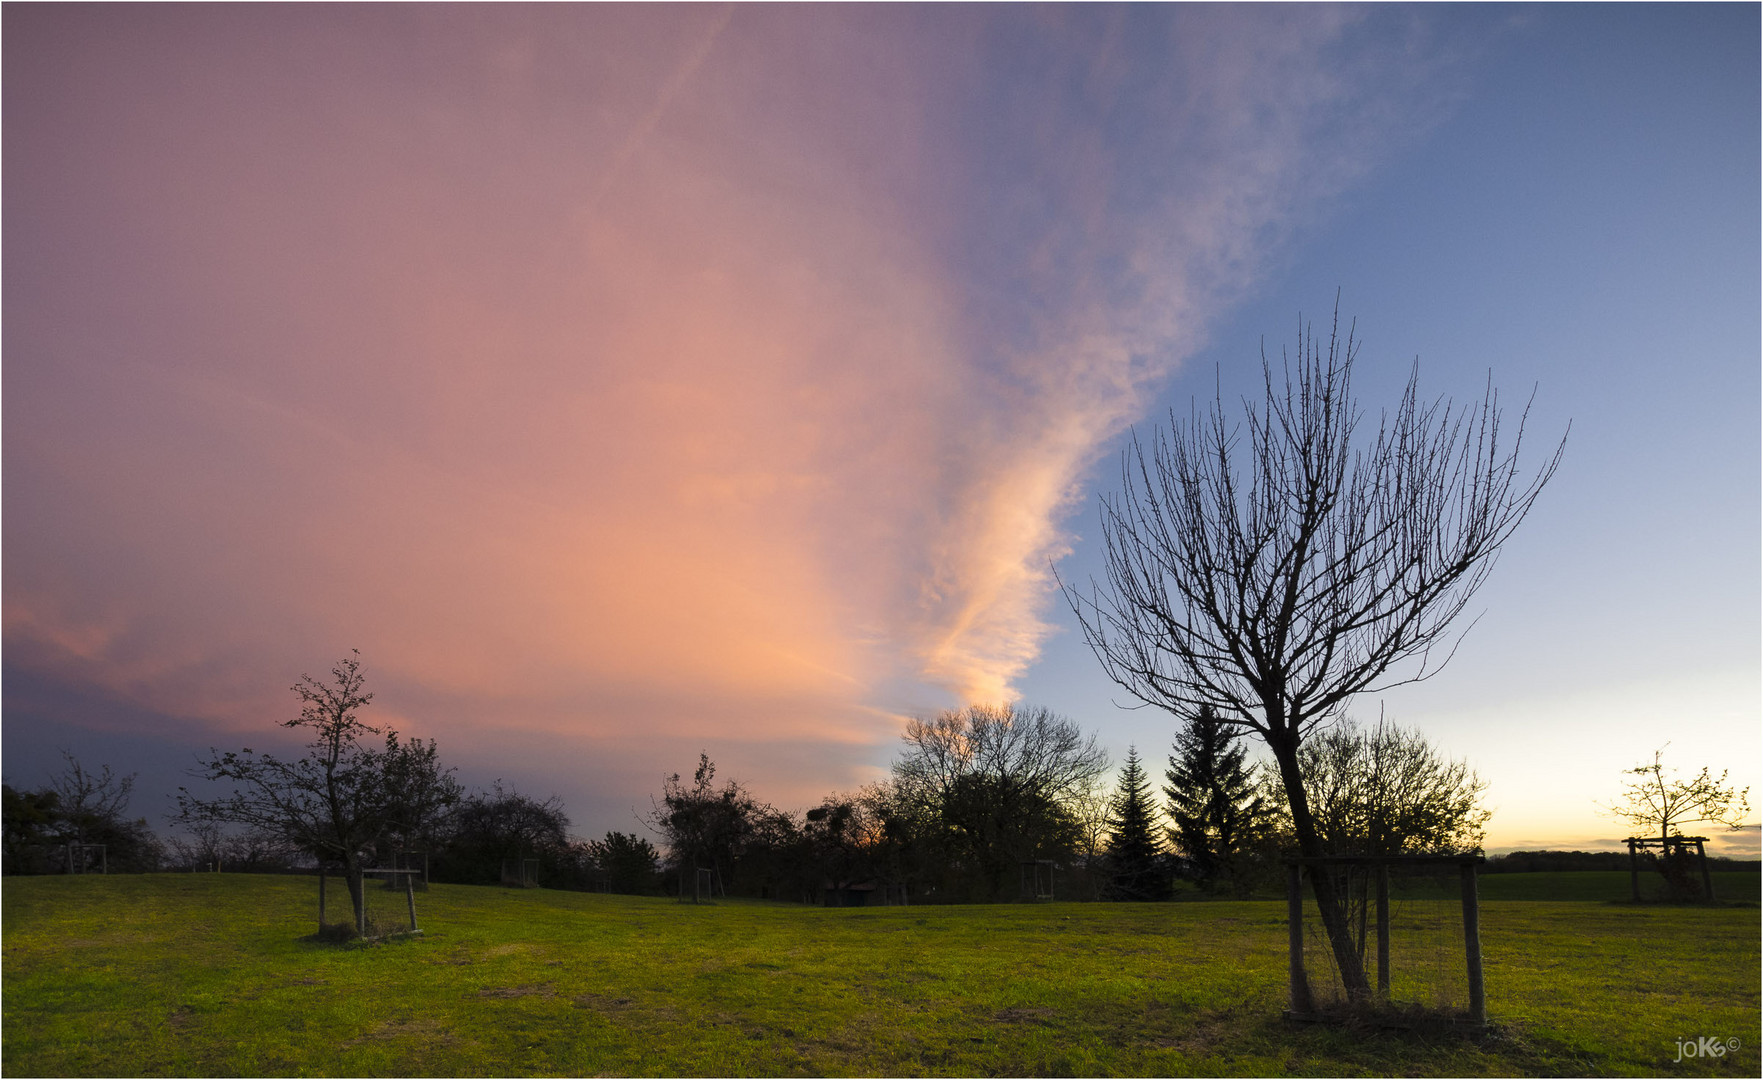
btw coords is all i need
(1212, 797)
(1136, 871)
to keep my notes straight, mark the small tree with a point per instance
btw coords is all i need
(1136, 870)
(627, 862)
(704, 822)
(1214, 802)
(341, 799)
(1387, 791)
(1656, 801)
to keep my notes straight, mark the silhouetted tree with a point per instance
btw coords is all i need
(1277, 571)
(995, 787)
(627, 862)
(706, 826)
(77, 807)
(30, 820)
(487, 828)
(1217, 813)
(1386, 791)
(1136, 868)
(1655, 800)
(337, 803)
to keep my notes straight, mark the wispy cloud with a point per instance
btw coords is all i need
(690, 374)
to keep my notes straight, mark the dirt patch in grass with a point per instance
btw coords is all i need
(531, 990)
(403, 1027)
(601, 1001)
(1025, 1016)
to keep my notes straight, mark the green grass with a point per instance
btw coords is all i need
(1604, 885)
(209, 975)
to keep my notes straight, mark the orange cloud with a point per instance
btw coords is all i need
(721, 372)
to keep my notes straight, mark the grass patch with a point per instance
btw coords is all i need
(1612, 885)
(217, 974)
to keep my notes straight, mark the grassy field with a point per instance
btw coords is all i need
(210, 975)
(1604, 885)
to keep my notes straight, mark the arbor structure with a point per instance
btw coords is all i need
(1273, 568)
(1135, 869)
(339, 800)
(1214, 806)
(1657, 801)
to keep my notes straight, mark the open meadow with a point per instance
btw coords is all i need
(215, 975)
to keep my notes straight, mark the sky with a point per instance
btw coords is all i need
(626, 382)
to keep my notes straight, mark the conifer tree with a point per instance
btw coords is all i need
(1136, 872)
(1212, 797)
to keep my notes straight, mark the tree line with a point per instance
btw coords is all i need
(986, 803)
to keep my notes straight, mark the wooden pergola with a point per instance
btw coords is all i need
(1667, 845)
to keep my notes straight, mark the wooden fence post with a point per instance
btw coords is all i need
(410, 898)
(1300, 985)
(1478, 1007)
(1383, 931)
(321, 898)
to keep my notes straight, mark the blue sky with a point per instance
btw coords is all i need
(1583, 221)
(626, 382)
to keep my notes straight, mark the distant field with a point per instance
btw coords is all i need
(1604, 885)
(208, 975)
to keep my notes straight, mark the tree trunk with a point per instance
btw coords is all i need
(1329, 903)
(357, 902)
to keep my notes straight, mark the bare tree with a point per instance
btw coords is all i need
(1656, 800)
(1272, 570)
(343, 796)
(87, 800)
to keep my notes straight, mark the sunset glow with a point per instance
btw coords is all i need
(629, 380)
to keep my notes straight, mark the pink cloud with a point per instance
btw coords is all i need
(601, 369)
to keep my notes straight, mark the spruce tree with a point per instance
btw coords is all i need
(1212, 797)
(1135, 870)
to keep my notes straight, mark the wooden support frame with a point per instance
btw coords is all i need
(1667, 845)
(408, 877)
(1302, 1001)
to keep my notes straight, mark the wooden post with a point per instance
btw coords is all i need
(1707, 878)
(1383, 931)
(321, 898)
(1300, 986)
(410, 897)
(1478, 1007)
(1634, 872)
(361, 916)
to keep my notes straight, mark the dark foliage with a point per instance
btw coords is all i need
(1217, 813)
(58, 829)
(990, 789)
(1136, 867)
(486, 831)
(722, 830)
(626, 863)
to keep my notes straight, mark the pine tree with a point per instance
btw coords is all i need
(1136, 872)
(1212, 797)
